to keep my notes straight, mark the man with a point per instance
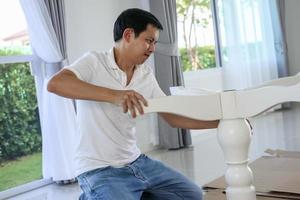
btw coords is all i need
(110, 88)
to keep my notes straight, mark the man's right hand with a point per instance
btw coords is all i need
(130, 100)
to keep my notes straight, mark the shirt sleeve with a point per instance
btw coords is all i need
(83, 67)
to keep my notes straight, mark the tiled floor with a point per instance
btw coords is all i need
(204, 161)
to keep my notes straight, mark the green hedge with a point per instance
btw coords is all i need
(19, 120)
(206, 57)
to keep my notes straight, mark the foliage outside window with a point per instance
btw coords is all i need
(195, 27)
(19, 123)
(20, 133)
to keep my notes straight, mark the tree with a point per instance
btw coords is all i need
(186, 10)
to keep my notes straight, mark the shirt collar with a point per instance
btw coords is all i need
(114, 65)
(112, 60)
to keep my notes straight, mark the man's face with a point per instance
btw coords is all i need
(143, 46)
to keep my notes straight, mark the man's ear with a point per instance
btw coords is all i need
(128, 34)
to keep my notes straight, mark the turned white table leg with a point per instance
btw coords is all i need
(234, 136)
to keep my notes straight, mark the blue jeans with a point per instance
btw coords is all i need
(142, 179)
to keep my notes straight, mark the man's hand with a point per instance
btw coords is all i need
(130, 100)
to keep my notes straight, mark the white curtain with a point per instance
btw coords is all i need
(247, 37)
(57, 113)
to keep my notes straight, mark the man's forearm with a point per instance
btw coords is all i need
(66, 84)
(188, 123)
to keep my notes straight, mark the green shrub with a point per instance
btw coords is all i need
(206, 56)
(19, 120)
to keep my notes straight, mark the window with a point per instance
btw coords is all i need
(198, 38)
(20, 133)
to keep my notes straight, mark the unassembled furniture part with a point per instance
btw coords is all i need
(234, 134)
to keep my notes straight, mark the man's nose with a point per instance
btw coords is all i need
(152, 47)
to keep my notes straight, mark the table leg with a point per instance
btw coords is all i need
(234, 136)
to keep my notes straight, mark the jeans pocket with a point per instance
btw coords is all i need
(97, 178)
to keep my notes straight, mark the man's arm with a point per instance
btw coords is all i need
(177, 121)
(65, 83)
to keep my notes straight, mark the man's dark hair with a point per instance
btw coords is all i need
(134, 18)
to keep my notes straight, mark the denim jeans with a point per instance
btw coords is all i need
(143, 179)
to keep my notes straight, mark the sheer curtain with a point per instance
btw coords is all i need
(57, 114)
(248, 42)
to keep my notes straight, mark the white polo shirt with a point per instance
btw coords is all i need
(107, 136)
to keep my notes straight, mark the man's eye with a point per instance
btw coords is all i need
(148, 41)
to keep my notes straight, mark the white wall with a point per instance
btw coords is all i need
(89, 26)
(89, 23)
(293, 34)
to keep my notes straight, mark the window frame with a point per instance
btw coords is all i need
(216, 24)
(25, 188)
